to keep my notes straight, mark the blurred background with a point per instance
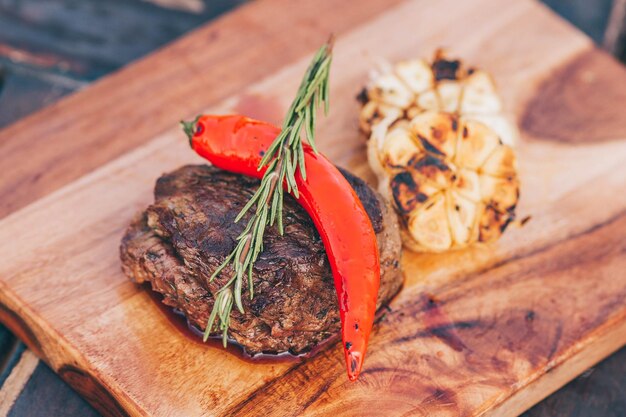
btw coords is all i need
(51, 48)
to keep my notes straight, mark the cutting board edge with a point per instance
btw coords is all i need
(609, 338)
(71, 365)
(67, 362)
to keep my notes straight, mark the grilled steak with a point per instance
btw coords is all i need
(185, 235)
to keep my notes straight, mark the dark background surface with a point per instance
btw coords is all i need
(51, 48)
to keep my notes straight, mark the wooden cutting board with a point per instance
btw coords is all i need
(486, 331)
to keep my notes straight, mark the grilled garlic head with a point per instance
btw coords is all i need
(451, 178)
(414, 86)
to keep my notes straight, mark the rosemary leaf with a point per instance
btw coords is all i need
(222, 266)
(301, 162)
(279, 216)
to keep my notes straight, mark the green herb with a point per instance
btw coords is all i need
(284, 160)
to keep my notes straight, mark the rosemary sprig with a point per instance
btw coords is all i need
(284, 159)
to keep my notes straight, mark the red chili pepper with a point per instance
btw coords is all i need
(237, 144)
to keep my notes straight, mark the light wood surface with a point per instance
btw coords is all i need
(488, 330)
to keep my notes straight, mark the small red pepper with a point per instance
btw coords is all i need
(237, 144)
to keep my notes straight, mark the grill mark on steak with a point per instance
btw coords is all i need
(184, 236)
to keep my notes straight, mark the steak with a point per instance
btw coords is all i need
(178, 241)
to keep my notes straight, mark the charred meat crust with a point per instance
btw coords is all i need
(189, 230)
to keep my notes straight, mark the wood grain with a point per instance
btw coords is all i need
(89, 38)
(598, 391)
(485, 330)
(561, 110)
(126, 109)
(24, 90)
